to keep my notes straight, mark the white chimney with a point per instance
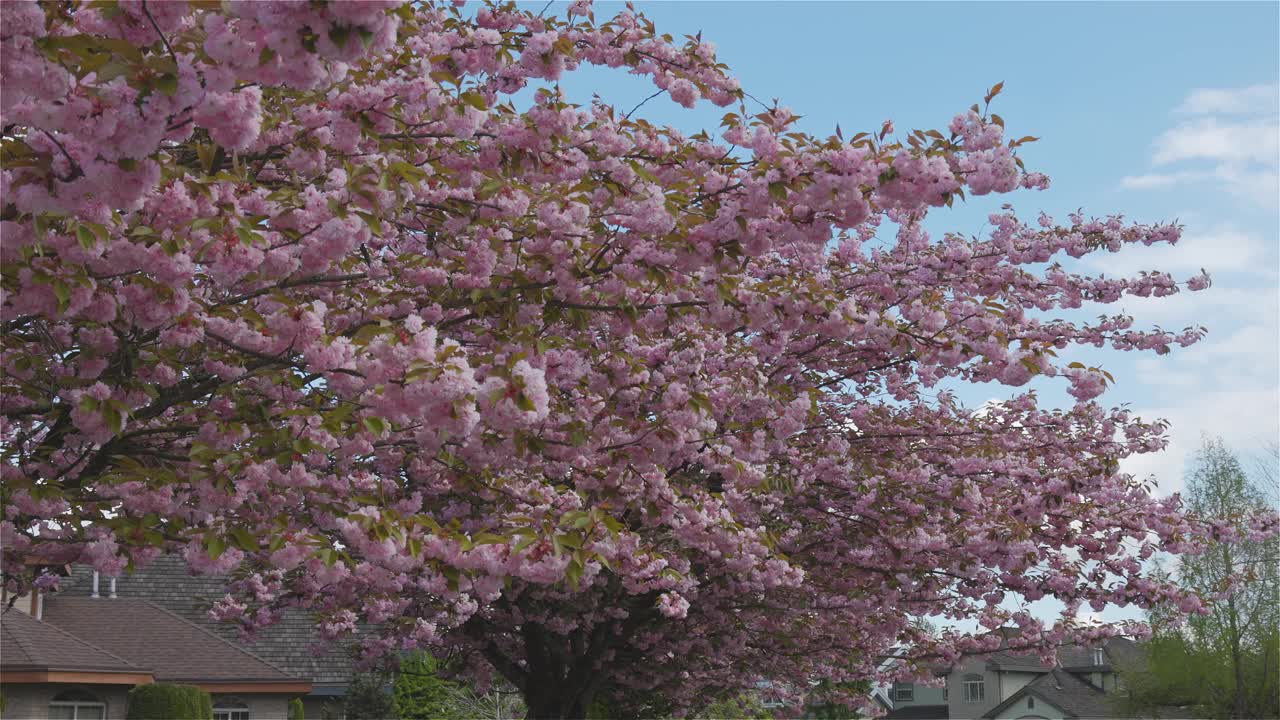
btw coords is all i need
(95, 594)
(39, 604)
(113, 588)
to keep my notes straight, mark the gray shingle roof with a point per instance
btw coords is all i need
(166, 582)
(176, 649)
(1075, 697)
(29, 644)
(919, 712)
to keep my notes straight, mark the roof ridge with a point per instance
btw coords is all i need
(236, 646)
(78, 639)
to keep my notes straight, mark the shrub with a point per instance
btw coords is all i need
(162, 701)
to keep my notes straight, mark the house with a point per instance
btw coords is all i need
(77, 652)
(287, 644)
(77, 659)
(1017, 685)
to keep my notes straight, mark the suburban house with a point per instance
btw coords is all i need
(1013, 685)
(75, 653)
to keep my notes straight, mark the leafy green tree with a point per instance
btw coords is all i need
(1222, 664)
(369, 698)
(419, 692)
(737, 707)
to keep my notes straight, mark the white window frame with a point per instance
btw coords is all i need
(975, 690)
(1099, 658)
(231, 709)
(904, 692)
(76, 705)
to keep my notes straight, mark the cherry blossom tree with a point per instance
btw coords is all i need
(305, 292)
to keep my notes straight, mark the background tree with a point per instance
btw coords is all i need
(1225, 663)
(307, 291)
(419, 691)
(369, 697)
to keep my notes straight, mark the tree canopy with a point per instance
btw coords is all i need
(312, 291)
(1222, 664)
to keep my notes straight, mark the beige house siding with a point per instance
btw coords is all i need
(31, 701)
(261, 707)
(958, 708)
(319, 708)
(1011, 682)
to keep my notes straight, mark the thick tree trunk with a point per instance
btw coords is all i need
(555, 703)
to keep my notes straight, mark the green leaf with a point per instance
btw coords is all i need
(85, 237)
(216, 547)
(63, 293)
(339, 35)
(112, 417)
(489, 188)
(375, 225)
(375, 425)
(167, 84)
(247, 236)
(243, 539)
(524, 403)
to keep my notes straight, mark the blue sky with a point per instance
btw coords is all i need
(1158, 111)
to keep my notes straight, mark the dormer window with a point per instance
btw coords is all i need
(904, 692)
(1099, 658)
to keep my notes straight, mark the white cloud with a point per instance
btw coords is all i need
(1225, 386)
(1219, 249)
(1233, 142)
(1256, 99)
(1159, 180)
(1230, 142)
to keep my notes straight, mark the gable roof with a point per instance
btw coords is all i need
(177, 650)
(166, 582)
(27, 644)
(1073, 696)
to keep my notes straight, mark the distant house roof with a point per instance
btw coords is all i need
(1073, 696)
(28, 645)
(286, 644)
(144, 634)
(1117, 650)
(919, 712)
(1079, 658)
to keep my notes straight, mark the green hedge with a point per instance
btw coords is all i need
(161, 701)
(295, 709)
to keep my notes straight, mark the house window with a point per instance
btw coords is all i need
(904, 692)
(77, 705)
(946, 693)
(230, 709)
(1031, 703)
(1098, 658)
(974, 688)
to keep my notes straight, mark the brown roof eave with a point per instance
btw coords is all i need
(249, 687)
(95, 677)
